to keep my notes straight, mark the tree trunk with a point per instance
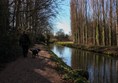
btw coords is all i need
(117, 21)
(103, 28)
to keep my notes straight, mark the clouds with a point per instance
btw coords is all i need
(64, 25)
(63, 18)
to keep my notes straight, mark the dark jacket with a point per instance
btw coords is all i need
(24, 40)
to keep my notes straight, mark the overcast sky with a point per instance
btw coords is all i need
(63, 19)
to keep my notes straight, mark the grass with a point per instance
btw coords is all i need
(107, 50)
(69, 42)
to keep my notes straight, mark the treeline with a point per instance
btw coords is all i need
(95, 22)
(61, 36)
(16, 16)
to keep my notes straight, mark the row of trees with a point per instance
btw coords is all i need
(32, 15)
(16, 16)
(61, 36)
(95, 22)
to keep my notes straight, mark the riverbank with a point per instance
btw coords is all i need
(68, 74)
(107, 50)
(45, 68)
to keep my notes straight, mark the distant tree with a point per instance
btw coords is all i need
(61, 36)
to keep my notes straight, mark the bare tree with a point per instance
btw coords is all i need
(33, 16)
(92, 22)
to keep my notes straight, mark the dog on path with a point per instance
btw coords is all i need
(34, 52)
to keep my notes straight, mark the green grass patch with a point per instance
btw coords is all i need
(63, 43)
(107, 50)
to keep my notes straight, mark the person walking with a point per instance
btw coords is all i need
(24, 42)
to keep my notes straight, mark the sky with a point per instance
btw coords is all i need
(63, 18)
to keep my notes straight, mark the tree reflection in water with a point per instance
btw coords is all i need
(101, 69)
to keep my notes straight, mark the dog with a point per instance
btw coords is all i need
(35, 52)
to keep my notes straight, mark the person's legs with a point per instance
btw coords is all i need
(25, 51)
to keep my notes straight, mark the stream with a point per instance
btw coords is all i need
(101, 68)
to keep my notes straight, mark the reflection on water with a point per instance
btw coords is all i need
(64, 54)
(101, 69)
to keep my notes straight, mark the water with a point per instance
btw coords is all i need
(101, 69)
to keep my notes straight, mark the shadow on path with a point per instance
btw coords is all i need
(30, 70)
(24, 71)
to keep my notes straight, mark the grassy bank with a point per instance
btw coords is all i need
(67, 73)
(108, 50)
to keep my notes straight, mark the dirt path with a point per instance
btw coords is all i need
(31, 70)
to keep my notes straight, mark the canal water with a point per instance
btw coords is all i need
(101, 69)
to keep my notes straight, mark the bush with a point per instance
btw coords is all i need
(9, 49)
